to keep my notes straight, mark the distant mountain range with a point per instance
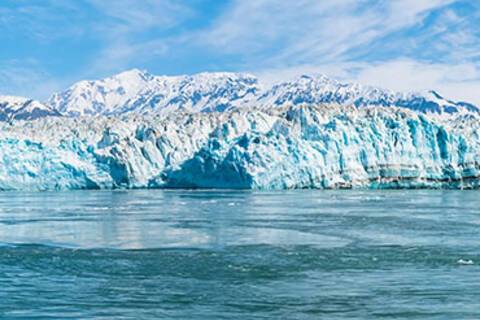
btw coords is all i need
(18, 108)
(136, 91)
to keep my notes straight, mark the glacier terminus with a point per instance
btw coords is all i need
(228, 130)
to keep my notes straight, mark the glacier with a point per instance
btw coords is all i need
(307, 146)
(228, 130)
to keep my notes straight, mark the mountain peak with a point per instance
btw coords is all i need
(132, 75)
(321, 89)
(318, 78)
(138, 91)
(20, 108)
(13, 99)
(435, 94)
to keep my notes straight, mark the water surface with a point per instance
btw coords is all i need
(240, 255)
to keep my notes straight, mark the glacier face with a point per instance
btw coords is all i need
(302, 146)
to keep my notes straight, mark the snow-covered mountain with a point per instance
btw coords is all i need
(18, 108)
(324, 146)
(140, 92)
(321, 89)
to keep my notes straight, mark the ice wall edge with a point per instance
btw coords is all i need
(306, 146)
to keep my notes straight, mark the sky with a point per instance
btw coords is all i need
(405, 45)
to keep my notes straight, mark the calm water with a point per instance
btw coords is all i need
(240, 255)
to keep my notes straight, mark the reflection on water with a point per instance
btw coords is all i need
(207, 219)
(228, 254)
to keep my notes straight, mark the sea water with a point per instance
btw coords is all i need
(240, 255)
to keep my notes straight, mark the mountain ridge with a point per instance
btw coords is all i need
(20, 108)
(138, 91)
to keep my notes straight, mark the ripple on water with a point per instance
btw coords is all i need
(179, 254)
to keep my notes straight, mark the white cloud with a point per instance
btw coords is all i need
(307, 31)
(131, 16)
(26, 78)
(128, 20)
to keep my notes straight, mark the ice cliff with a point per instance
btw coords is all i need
(299, 146)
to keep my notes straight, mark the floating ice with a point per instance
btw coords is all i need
(465, 262)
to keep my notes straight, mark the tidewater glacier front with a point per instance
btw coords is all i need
(301, 146)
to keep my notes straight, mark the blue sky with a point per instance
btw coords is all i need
(46, 45)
